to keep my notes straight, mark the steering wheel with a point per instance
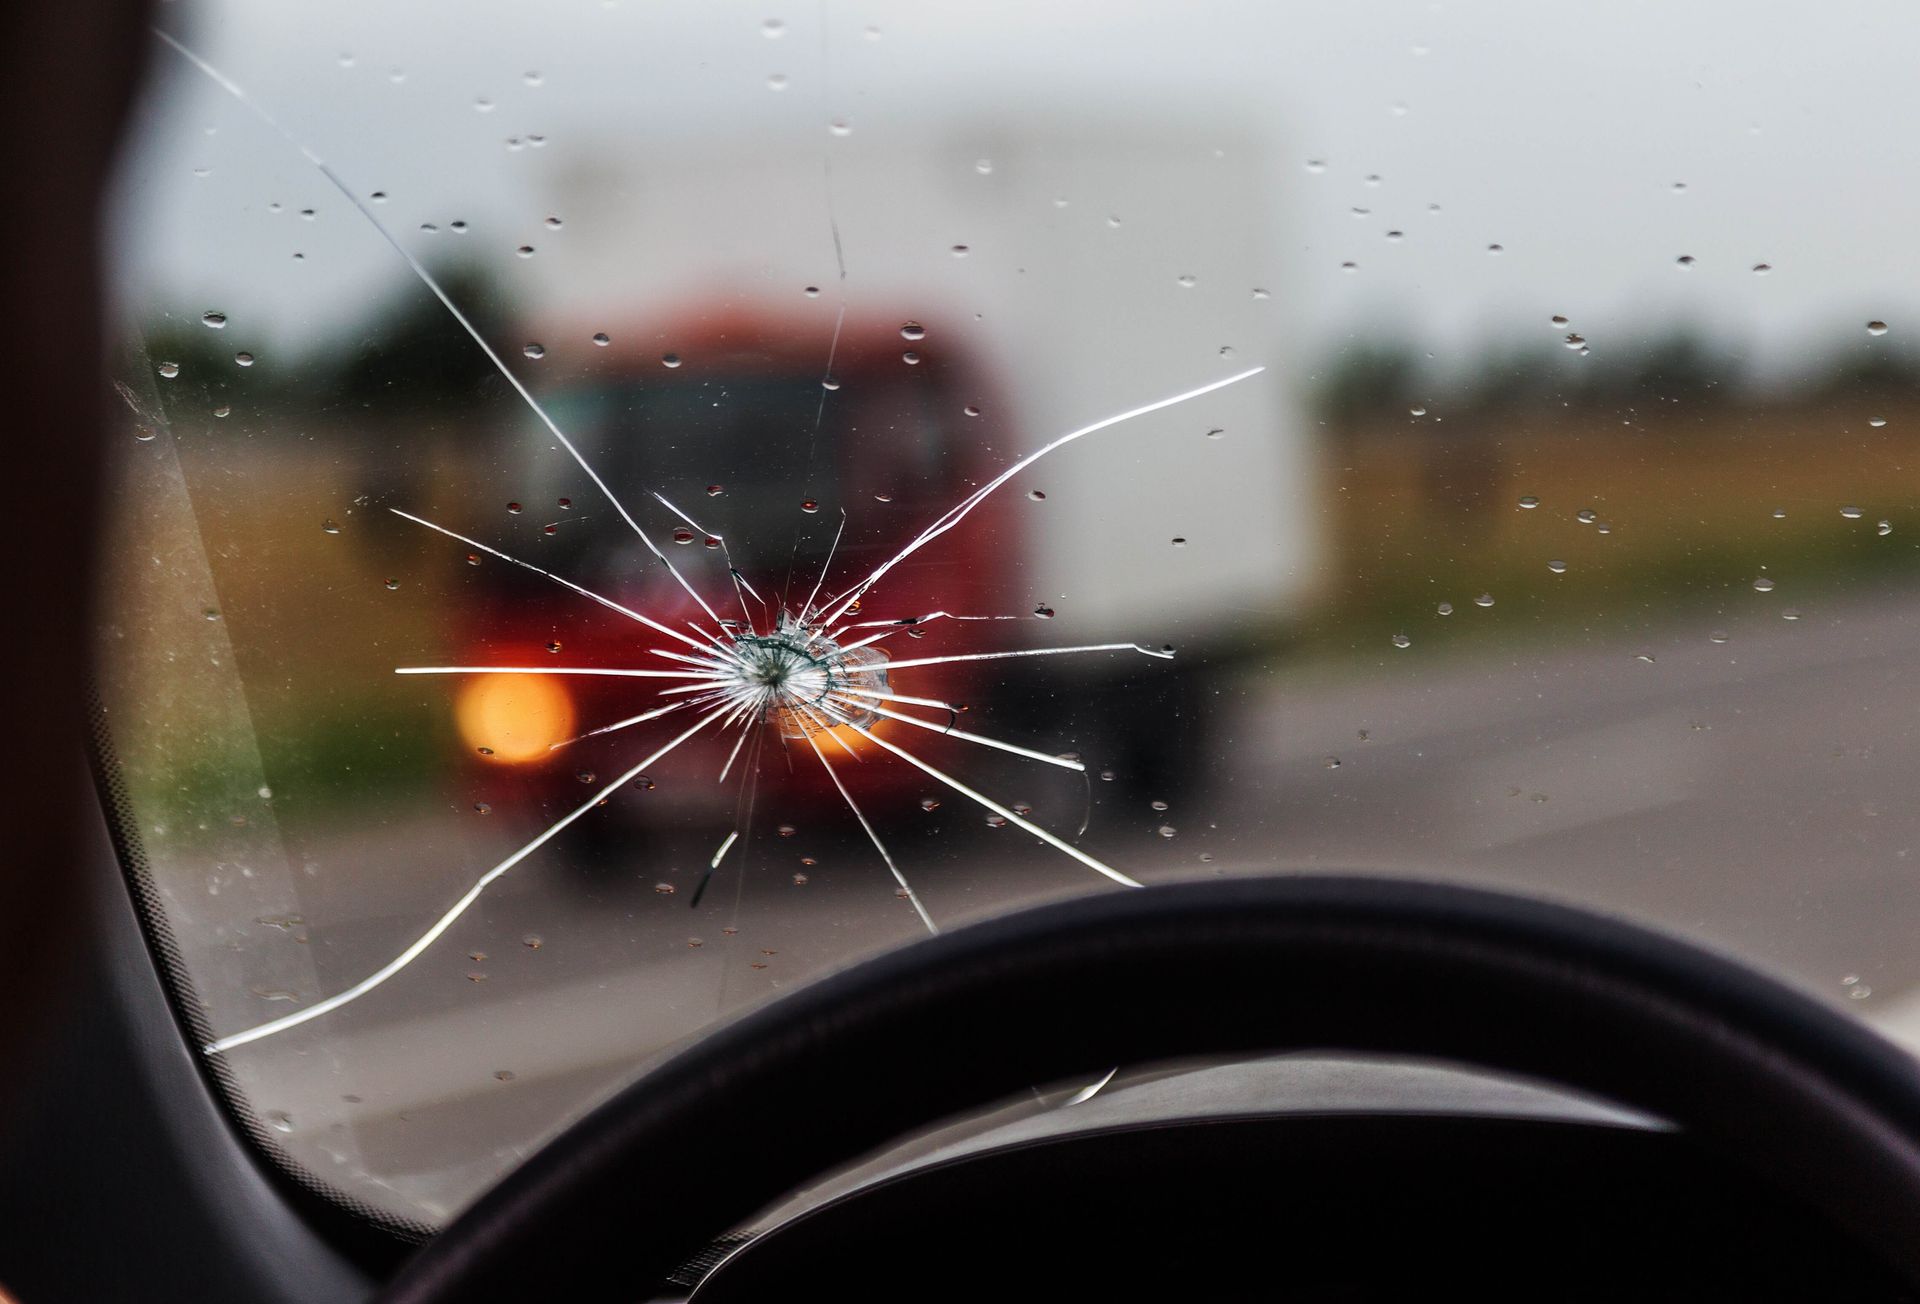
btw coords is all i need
(1777, 1084)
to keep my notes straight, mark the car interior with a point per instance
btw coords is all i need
(960, 651)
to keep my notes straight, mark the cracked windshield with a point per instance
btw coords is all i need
(624, 508)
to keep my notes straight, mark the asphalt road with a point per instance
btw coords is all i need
(1755, 794)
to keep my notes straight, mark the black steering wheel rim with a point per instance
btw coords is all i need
(1797, 1093)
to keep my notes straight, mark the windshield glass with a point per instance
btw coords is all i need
(625, 507)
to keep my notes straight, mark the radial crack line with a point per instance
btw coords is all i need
(589, 594)
(848, 690)
(740, 587)
(962, 734)
(1029, 652)
(614, 672)
(958, 513)
(990, 804)
(912, 897)
(824, 567)
(445, 921)
(642, 718)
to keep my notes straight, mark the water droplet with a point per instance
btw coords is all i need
(602, 338)
(1316, 165)
(1884, 528)
(1850, 513)
(393, 586)
(663, 889)
(1043, 612)
(1259, 293)
(670, 360)
(984, 166)
(1402, 641)
(168, 370)
(330, 526)
(800, 880)
(1557, 567)
(911, 358)
(535, 351)
(996, 821)
(503, 1075)
(971, 409)
(553, 646)
(222, 410)
(1876, 328)
(1216, 433)
(1484, 600)
(1106, 776)
(483, 106)
(1763, 585)
(566, 504)
(1396, 236)
(777, 82)
(214, 320)
(1558, 320)
(959, 251)
(840, 127)
(1417, 411)
(1791, 613)
(1876, 422)
(525, 251)
(1779, 513)
(1166, 830)
(243, 359)
(280, 1121)
(1179, 541)
(809, 505)
(307, 215)
(1761, 269)
(1188, 281)
(1717, 636)
(1496, 249)
(554, 224)
(1529, 502)
(484, 751)
(1686, 260)
(1158, 805)
(457, 227)
(829, 383)
(773, 29)
(681, 534)
(1349, 267)
(1585, 516)
(1859, 992)
(1036, 495)
(473, 559)
(1645, 658)
(144, 434)
(482, 808)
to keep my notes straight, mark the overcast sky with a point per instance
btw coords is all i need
(1557, 132)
